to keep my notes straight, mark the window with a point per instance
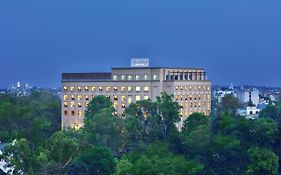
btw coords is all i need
(108, 96)
(146, 97)
(177, 88)
(130, 99)
(72, 88)
(65, 88)
(72, 97)
(123, 105)
(130, 77)
(123, 88)
(79, 88)
(79, 113)
(72, 113)
(108, 88)
(115, 97)
(65, 113)
(145, 77)
(86, 97)
(65, 104)
(115, 77)
(138, 88)
(137, 97)
(93, 96)
(137, 77)
(100, 88)
(155, 77)
(181, 88)
(115, 104)
(86, 104)
(123, 77)
(115, 88)
(123, 97)
(130, 88)
(79, 97)
(93, 88)
(86, 88)
(79, 104)
(65, 97)
(72, 104)
(146, 88)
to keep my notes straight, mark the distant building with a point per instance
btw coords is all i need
(249, 112)
(247, 95)
(222, 92)
(123, 86)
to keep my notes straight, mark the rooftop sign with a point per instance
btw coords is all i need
(139, 62)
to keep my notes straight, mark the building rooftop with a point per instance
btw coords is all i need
(97, 76)
(157, 68)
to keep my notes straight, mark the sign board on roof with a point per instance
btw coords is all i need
(139, 62)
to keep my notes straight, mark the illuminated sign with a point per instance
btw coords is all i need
(139, 62)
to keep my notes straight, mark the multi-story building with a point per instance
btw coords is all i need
(246, 95)
(123, 86)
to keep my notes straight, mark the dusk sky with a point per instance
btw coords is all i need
(236, 41)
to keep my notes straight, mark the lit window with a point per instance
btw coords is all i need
(115, 104)
(65, 88)
(145, 77)
(79, 88)
(129, 77)
(115, 88)
(155, 77)
(108, 96)
(65, 104)
(138, 88)
(86, 97)
(130, 99)
(208, 88)
(137, 97)
(115, 97)
(93, 96)
(65, 97)
(93, 88)
(79, 97)
(72, 104)
(108, 88)
(137, 77)
(123, 105)
(79, 113)
(123, 77)
(86, 88)
(146, 97)
(123, 97)
(65, 113)
(181, 88)
(72, 97)
(146, 88)
(190, 97)
(177, 88)
(114, 77)
(79, 104)
(72, 88)
(86, 104)
(72, 113)
(123, 88)
(100, 88)
(130, 88)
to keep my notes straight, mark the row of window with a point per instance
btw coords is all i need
(115, 97)
(192, 97)
(134, 77)
(108, 88)
(186, 88)
(79, 113)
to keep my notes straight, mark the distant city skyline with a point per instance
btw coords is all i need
(236, 42)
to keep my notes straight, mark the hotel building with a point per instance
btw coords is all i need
(123, 86)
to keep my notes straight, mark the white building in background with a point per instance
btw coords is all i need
(249, 112)
(222, 92)
(246, 95)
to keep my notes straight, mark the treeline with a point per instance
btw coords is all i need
(144, 141)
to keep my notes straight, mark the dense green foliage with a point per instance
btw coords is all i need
(144, 141)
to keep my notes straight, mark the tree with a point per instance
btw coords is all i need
(97, 161)
(262, 161)
(230, 103)
(193, 121)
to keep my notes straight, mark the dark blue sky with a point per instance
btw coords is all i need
(236, 41)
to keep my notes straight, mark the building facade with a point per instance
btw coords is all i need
(246, 95)
(123, 86)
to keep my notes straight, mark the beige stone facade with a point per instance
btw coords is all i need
(123, 86)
